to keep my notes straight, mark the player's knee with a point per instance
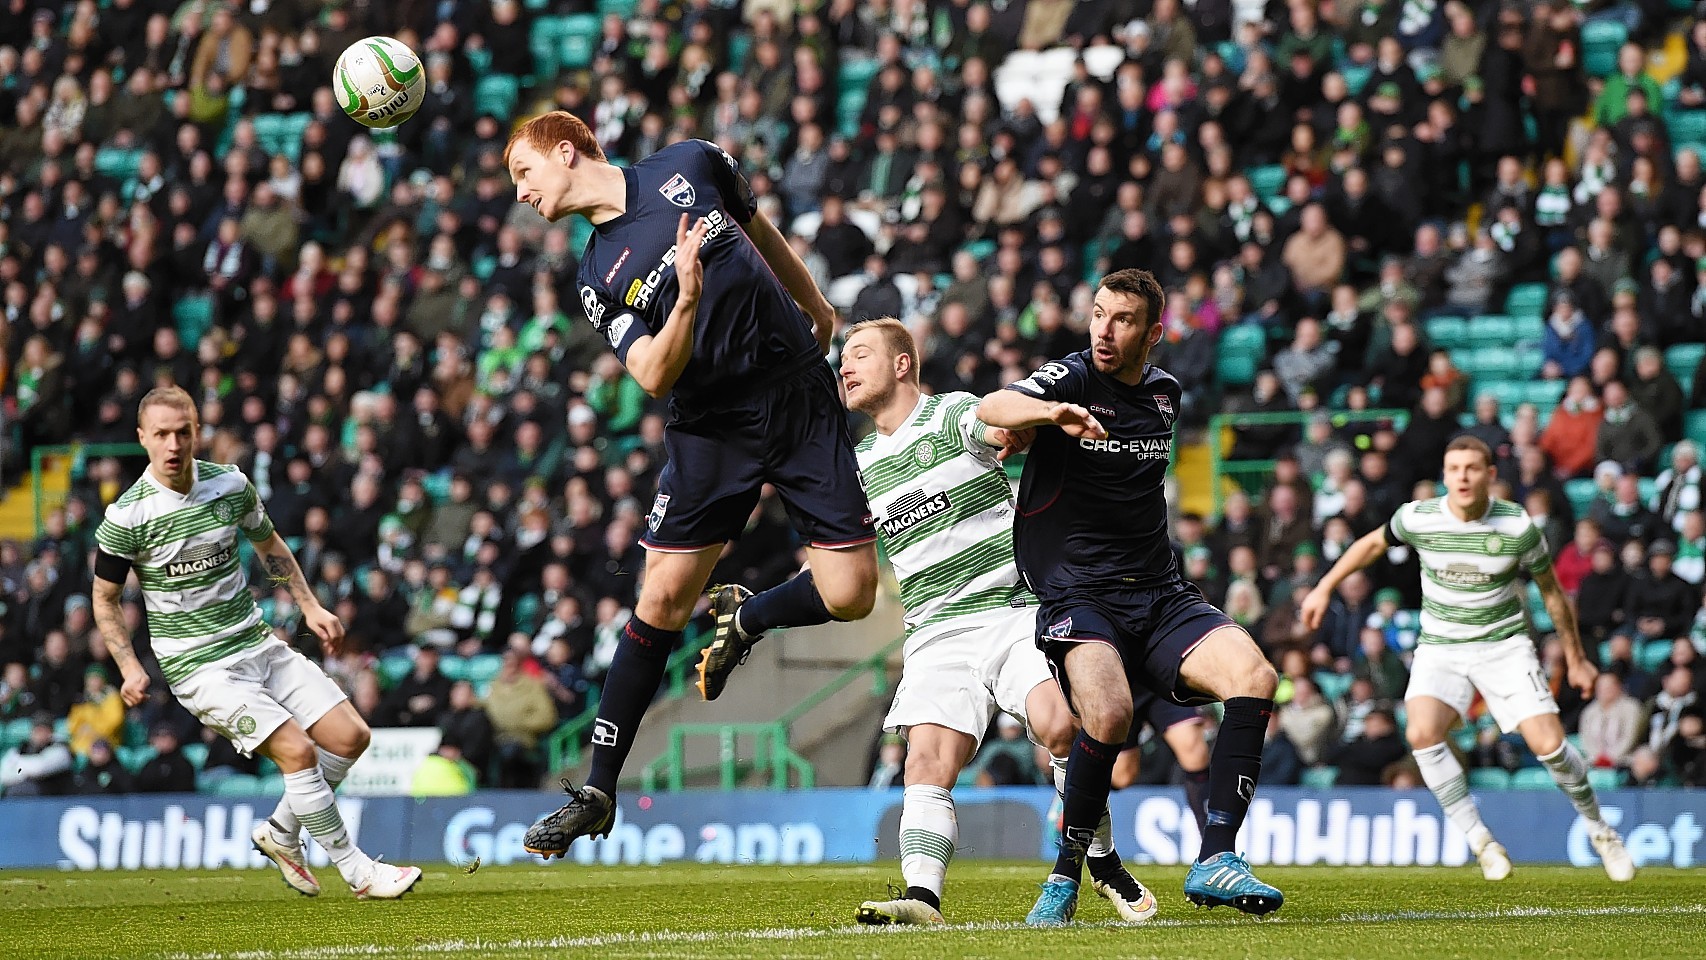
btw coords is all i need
(665, 606)
(931, 768)
(360, 735)
(292, 751)
(850, 601)
(1422, 738)
(1263, 680)
(1109, 721)
(1055, 731)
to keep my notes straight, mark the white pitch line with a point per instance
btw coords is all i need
(681, 937)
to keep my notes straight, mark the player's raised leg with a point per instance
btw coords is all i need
(929, 832)
(1226, 664)
(312, 801)
(1545, 736)
(1095, 680)
(340, 738)
(1427, 720)
(1053, 726)
(671, 589)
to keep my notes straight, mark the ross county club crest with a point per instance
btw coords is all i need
(660, 506)
(678, 191)
(924, 453)
(1164, 404)
(1059, 631)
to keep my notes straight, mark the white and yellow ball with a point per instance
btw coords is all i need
(379, 82)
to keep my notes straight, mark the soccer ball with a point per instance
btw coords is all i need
(379, 81)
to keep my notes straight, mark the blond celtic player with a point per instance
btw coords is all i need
(176, 528)
(1475, 638)
(944, 513)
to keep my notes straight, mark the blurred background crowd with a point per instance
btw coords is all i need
(1453, 215)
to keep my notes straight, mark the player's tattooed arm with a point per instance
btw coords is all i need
(282, 569)
(107, 601)
(1580, 671)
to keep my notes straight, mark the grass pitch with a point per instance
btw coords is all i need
(759, 913)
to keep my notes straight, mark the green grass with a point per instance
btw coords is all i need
(759, 913)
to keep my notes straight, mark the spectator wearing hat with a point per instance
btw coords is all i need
(102, 773)
(168, 771)
(39, 767)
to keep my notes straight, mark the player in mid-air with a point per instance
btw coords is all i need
(1475, 638)
(1115, 614)
(176, 528)
(944, 513)
(702, 300)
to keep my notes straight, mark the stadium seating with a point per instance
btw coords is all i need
(1448, 332)
(1320, 778)
(1582, 492)
(1682, 360)
(496, 94)
(1533, 778)
(1526, 300)
(1489, 778)
(1694, 426)
(237, 785)
(1240, 352)
(1687, 126)
(1267, 182)
(1600, 41)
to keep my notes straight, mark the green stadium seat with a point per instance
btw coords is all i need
(1602, 779)
(1320, 778)
(484, 668)
(484, 267)
(848, 107)
(1694, 426)
(497, 94)
(1240, 353)
(272, 785)
(1544, 394)
(1682, 360)
(1496, 362)
(238, 785)
(1648, 486)
(1533, 778)
(1537, 613)
(1333, 685)
(456, 668)
(542, 41)
(1509, 392)
(1686, 126)
(117, 164)
(1529, 329)
(1527, 359)
(392, 670)
(1581, 493)
(196, 754)
(622, 8)
(1526, 300)
(856, 74)
(265, 767)
(133, 758)
(1448, 332)
(1493, 330)
(1356, 76)
(1600, 40)
(1267, 181)
(578, 39)
(480, 60)
(193, 317)
(740, 47)
(14, 732)
(1654, 656)
(1489, 778)
(135, 733)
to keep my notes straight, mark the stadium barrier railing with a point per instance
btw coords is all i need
(773, 752)
(1222, 436)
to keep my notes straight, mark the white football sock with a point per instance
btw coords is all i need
(1571, 772)
(312, 801)
(285, 827)
(1444, 776)
(928, 835)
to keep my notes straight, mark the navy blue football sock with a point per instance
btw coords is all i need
(1233, 772)
(1196, 796)
(632, 681)
(794, 603)
(1089, 776)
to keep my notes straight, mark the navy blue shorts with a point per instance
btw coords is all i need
(1152, 628)
(793, 435)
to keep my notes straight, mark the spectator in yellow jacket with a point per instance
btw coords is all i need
(98, 715)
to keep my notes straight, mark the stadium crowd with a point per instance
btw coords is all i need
(393, 350)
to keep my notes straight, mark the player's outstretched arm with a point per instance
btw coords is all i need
(1011, 410)
(1369, 548)
(1581, 671)
(282, 569)
(106, 597)
(789, 269)
(656, 362)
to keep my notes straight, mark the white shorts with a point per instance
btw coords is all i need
(1505, 671)
(247, 699)
(957, 676)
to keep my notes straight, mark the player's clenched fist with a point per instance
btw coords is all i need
(1314, 608)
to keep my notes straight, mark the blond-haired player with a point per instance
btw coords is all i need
(176, 529)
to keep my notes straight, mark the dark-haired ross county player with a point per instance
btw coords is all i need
(703, 301)
(1091, 541)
